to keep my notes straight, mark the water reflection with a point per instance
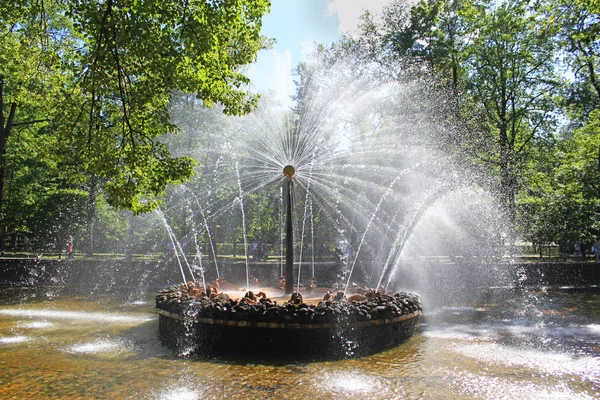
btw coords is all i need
(352, 383)
(14, 339)
(106, 346)
(554, 363)
(178, 393)
(530, 345)
(75, 315)
(35, 325)
(471, 385)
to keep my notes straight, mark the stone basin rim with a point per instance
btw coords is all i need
(293, 325)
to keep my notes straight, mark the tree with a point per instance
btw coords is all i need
(577, 25)
(561, 203)
(496, 61)
(511, 68)
(434, 34)
(116, 64)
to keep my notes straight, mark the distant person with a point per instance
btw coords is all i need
(596, 249)
(69, 247)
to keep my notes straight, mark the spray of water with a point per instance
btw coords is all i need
(371, 157)
(177, 250)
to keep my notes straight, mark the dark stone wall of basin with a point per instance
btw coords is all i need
(88, 276)
(95, 276)
(438, 274)
(28, 271)
(104, 275)
(557, 273)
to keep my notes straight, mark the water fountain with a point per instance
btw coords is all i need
(375, 164)
(195, 316)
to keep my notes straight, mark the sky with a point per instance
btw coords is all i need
(295, 25)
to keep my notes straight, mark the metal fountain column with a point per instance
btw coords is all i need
(288, 172)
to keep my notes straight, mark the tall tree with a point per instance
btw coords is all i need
(561, 203)
(91, 80)
(434, 33)
(29, 85)
(577, 24)
(498, 63)
(123, 60)
(512, 79)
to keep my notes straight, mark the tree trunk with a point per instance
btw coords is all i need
(5, 128)
(592, 72)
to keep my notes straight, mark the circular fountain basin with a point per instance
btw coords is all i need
(327, 330)
(214, 337)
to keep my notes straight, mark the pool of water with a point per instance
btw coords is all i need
(533, 344)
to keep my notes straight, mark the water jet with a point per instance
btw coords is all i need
(204, 321)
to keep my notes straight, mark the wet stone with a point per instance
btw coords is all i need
(173, 300)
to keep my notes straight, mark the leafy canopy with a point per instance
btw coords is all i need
(123, 60)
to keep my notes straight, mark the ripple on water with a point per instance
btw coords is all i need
(493, 387)
(554, 363)
(139, 303)
(105, 346)
(461, 333)
(75, 315)
(352, 383)
(14, 339)
(594, 328)
(35, 324)
(178, 393)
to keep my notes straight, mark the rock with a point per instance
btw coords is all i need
(172, 299)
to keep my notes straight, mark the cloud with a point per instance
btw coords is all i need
(350, 11)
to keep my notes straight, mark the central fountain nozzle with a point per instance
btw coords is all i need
(289, 172)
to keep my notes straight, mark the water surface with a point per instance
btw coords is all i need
(537, 344)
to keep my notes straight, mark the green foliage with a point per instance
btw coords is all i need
(512, 82)
(496, 62)
(576, 24)
(562, 203)
(57, 214)
(108, 69)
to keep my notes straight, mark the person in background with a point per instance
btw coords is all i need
(596, 249)
(69, 247)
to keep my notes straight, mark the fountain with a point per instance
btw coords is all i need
(197, 317)
(370, 165)
(382, 198)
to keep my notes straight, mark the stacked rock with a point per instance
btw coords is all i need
(334, 310)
